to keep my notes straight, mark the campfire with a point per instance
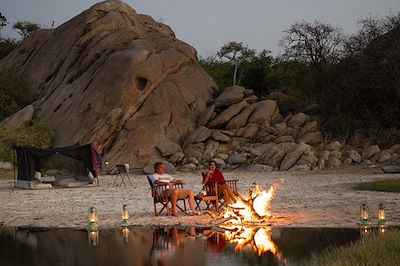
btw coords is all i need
(246, 222)
(252, 209)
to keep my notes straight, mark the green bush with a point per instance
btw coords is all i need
(13, 93)
(389, 185)
(374, 250)
(7, 46)
(35, 134)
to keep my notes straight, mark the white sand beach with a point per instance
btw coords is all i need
(307, 199)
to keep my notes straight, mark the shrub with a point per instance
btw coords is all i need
(13, 93)
(374, 250)
(35, 134)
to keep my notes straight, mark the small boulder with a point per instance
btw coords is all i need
(220, 162)
(280, 126)
(292, 157)
(334, 146)
(229, 96)
(200, 134)
(219, 136)
(284, 139)
(391, 169)
(194, 150)
(334, 162)
(310, 126)
(264, 113)
(193, 160)
(370, 151)
(395, 148)
(250, 130)
(168, 148)
(298, 120)
(149, 168)
(190, 167)
(300, 167)
(259, 168)
(354, 156)
(176, 158)
(240, 120)
(237, 159)
(382, 156)
(206, 116)
(222, 156)
(227, 114)
(251, 99)
(311, 138)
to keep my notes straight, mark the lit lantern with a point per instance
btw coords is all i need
(364, 217)
(125, 234)
(93, 218)
(125, 216)
(381, 214)
(93, 237)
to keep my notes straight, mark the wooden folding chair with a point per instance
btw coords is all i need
(210, 199)
(122, 172)
(158, 192)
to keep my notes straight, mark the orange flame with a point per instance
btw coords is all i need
(255, 209)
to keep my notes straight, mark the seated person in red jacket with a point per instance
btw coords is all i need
(215, 176)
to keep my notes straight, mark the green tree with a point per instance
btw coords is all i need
(3, 22)
(236, 53)
(24, 28)
(313, 43)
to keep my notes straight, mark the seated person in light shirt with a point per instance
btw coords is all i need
(160, 177)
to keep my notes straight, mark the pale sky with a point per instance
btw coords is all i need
(209, 24)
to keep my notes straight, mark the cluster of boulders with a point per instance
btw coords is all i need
(237, 130)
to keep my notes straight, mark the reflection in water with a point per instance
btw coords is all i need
(167, 245)
(125, 234)
(93, 237)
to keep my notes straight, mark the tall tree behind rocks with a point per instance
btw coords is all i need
(114, 77)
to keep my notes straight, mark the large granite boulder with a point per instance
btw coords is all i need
(264, 112)
(229, 96)
(227, 114)
(111, 58)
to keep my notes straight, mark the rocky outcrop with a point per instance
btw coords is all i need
(114, 77)
(19, 118)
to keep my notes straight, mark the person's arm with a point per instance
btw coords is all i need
(221, 178)
(207, 177)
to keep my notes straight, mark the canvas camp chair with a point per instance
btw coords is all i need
(122, 172)
(159, 195)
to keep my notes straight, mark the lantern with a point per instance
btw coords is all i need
(125, 234)
(93, 237)
(381, 214)
(364, 216)
(125, 216)
(93, 218)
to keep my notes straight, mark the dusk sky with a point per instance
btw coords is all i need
(208, 24)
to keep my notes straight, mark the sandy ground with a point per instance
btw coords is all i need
(322, 199)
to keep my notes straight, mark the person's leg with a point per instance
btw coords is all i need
(174, 199)
(183, 194)
(228, 194)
